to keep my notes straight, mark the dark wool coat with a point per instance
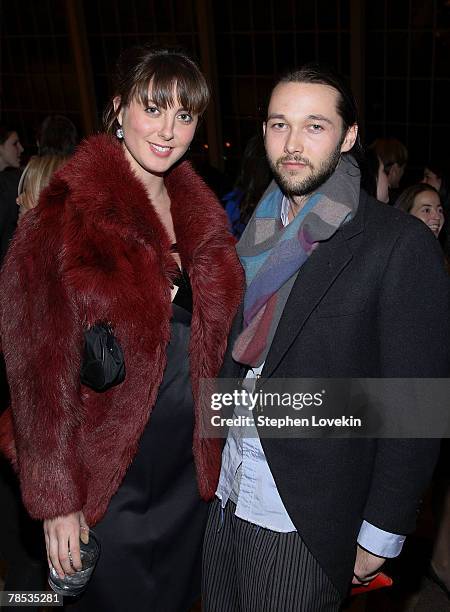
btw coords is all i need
(95, 250)
(371, 302)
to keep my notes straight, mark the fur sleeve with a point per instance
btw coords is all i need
(42, 341)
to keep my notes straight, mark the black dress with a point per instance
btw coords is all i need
(152, 532)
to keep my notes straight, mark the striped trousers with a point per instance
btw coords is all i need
(247, 568)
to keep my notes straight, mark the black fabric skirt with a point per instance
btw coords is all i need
(152, 533)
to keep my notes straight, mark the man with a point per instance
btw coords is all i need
(394, 156)
(338, 286)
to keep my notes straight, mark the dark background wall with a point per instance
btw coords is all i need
(58, 56)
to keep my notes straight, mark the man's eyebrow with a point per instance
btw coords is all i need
(309, 117)
(320, 118)
(275, 116)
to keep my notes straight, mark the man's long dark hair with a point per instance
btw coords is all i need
(346, 104)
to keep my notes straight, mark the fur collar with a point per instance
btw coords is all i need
(102, 185)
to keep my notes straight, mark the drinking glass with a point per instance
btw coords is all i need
(74, 585)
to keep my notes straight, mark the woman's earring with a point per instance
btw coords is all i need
(119, 133)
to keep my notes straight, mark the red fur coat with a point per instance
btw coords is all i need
(95, 250)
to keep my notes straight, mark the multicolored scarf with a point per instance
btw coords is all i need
(272, 255)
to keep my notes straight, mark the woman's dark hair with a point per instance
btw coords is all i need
(369, 172)
(346, 104)
(170, 71)
(405, 201)
(5, 133)
(57, 136)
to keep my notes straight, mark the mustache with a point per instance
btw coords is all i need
(294, 158)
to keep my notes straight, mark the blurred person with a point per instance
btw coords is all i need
(21, 539)
(439, 567)
(10, 152)
(394, 156)
(35, 177)
(10, 148)
(373, 177)
(333, 280)
(125, 233)
(253, 180)
(57, 136)
(437, 175)
(423, 202)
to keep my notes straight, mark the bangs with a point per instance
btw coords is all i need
(170, 78)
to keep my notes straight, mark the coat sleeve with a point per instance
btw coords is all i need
(414, 335)
(42, 340)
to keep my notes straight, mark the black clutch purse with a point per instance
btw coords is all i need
(103, 364)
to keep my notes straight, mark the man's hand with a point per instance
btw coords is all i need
(367, 566)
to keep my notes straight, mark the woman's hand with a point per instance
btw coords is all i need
(62, 539)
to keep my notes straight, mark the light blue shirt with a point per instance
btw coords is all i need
(246, 479)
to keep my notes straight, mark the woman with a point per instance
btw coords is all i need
(423, 201)
(119, 236)
(35, 177)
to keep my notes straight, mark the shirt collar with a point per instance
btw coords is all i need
(284, 213)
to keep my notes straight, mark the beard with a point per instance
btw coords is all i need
(289, 181)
